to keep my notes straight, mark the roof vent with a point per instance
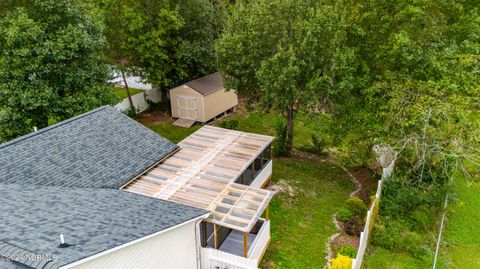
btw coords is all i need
(62, 242)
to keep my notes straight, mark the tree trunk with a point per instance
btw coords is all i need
(130, 101)
(290, 118)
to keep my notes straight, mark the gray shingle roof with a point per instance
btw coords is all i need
(92, 221)
(100, 149)
(7, 264)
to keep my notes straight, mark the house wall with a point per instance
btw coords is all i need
(173, 249)
(218, 102)
(187, 91)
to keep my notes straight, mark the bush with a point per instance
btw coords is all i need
(354, 226)
(413, 242)
(341, 262)
(387, 237)
(317, 147)
(357, 207)
(348, 251)
(229, 124)
(280, 147)
(132, 112)
(344, 214)
(394, 235)
(154, 106)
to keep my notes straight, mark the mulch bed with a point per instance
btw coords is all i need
(368, 180)
(154, 117)
(346, 240)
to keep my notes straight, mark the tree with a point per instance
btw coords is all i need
(286, 55)
(203, 22)
(50, 64)
(419, 86)
(167, 41)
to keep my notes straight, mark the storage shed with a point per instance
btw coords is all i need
(202, 99)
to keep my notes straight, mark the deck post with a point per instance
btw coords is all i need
(215, 237)
(253, 171)
(245, 244)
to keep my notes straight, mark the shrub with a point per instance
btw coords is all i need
(132, 112)
(356, 206)
(341, 262)
(229, 124)
(388, 237)
(318, 144)
(280, 147)
(162, 106)
(413, 242)
(353, 226)
(317, 147)
(348, 251)
(344, 214)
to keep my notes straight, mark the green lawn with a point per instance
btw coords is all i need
(121, 93)
(384, 259)
(462, 228)
(304, 126)
(302, 215)
(173, 133)
(302, 219)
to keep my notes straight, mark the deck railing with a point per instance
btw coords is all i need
(260, 242)
(263, 176)
(217, 259)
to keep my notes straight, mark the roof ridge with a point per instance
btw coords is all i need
(51, 127)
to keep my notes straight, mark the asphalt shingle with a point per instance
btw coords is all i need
(65, 179)
(92, 221)
(100, 149)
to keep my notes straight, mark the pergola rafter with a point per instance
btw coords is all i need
(202, 174)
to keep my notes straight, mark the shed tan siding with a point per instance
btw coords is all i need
(218, 102)
(184, 90)
(174, 249)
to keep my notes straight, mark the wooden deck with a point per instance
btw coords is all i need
(234, 243)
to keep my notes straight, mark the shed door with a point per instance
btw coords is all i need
(187, 107)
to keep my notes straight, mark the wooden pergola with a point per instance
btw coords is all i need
(202, 174)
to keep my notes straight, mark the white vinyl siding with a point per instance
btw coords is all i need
(174, 249)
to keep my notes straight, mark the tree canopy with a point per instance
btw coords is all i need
(50, 64)
(285, 55)
(416, 87)
(167, 41)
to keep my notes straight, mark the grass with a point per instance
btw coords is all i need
(384, 259)
(304, 126)
(462, 228)
(173, 133)
(316, 189)
(302, 220)
(121, 93)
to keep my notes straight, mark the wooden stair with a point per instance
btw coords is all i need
(185, 123)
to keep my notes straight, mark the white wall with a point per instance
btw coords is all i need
(174, 249)
(264, 175)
